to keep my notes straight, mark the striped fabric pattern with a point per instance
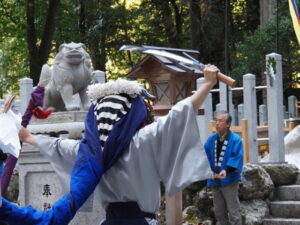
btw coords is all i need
(108, 110)
(218, 162)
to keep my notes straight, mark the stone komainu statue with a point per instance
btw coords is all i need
(69, 74)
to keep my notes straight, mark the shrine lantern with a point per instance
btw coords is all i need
(169, 81)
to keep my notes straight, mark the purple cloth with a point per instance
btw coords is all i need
(7, 173)
(37, 96)
(37, 99)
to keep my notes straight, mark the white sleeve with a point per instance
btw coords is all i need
(176, 149)
(61, 153)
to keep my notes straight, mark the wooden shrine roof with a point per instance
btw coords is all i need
(151, 64)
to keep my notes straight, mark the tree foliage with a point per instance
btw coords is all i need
(13, 51)
(249, 54)
(104, 26)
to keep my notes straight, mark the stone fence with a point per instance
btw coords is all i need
(26, 87)
(271, 114)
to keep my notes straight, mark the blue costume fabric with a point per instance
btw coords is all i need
(90, 164)
(233, 157)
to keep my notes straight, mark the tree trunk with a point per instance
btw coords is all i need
(98, 53)
(171, 31)
(195, 20)
(212, 32)
(178, 22)
(31, 39)
(82, 19)
(38, 55)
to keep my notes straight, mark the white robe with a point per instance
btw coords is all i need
(168, 151)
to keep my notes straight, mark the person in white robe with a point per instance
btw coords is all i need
(168, 150)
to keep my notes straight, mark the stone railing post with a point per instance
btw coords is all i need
(233, 113)
(240, 114)
(218, 108)
(263, 114)
(275, 105)
(26, 86)
(285, 113)
(250, 113)
(203, 120)
(99, 76)
(223, 96)
(292, 106)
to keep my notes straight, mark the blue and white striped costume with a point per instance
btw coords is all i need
(167, 151)
(231, 155)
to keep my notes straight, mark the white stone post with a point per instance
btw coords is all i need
(275, 104)
(26, 86)
(231, 106)
(285, 113)
(250, 113)
(263, 114)
(223, 96)
(226, 102)
(218, 108)
(240, 113)
(233, 113)
(99, 76)
(292, 106)
(203, 120)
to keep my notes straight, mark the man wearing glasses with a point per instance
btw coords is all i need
(224, 150)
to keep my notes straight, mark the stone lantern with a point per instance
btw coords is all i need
(169, 81)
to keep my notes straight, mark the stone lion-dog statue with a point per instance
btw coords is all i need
(69, 74)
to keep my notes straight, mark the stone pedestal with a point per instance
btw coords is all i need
(68, 123)
(39, 185)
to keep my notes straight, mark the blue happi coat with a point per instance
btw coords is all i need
(233, 157)
(91, 163)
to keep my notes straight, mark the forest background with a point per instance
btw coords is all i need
(32, 30)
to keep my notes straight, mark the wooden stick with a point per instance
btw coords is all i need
(245, 136)
(8, 103)
(227, 80)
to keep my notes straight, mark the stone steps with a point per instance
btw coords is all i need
(285, 209)
(281, 221)
(288, 193)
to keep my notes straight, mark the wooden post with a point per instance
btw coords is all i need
(245, 136)
(211, 127)
(174, 209)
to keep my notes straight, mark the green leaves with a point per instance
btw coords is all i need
(103, 26)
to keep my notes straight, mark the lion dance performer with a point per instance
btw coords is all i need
(121, 158)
